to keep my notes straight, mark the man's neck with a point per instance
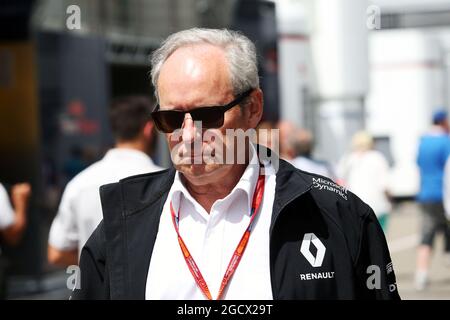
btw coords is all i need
(207, 194)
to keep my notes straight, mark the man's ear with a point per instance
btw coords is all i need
(255, 108)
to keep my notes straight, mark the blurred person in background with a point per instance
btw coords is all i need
(13, 221)
(434, 149)
(266, 134)
(80, 209)
(296, 146)
(303, 144)
(447, 204)
(447, 193)
(287, 139)
(365, 172)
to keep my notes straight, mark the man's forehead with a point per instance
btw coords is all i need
(192, 59)
(192, 72)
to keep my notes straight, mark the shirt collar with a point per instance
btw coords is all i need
(128, 154)
(245, 186)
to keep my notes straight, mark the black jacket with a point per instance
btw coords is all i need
(356, 263)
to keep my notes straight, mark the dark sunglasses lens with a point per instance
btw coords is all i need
(211, 117)
(168, 121)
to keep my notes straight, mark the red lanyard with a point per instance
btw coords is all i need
(238, 252)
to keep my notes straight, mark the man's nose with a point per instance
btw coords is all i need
(190, 132)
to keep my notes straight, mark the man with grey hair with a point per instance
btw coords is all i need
(209, 229)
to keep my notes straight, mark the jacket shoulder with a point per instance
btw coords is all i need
(145, 176)
(343, 209)
(330, 195)
(135, 193)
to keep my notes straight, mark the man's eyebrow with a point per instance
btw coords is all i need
(171, 108)
(178, 108)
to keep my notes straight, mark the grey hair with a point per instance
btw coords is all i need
(240, 52)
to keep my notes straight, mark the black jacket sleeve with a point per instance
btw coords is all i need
(94, 282)
(374, 269)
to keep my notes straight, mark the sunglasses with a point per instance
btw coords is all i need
(211, 117)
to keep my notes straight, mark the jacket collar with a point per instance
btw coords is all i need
(291, 183)
(144, 190)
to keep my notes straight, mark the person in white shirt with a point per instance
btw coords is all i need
(287, 139)
(365, 171)
(212, 215)
(296, 147)
(204, 231)
(303, 145)
(13, 222)
(80, 209)
(13, 219)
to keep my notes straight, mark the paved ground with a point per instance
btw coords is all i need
(403, 236)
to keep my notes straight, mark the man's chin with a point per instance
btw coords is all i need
(197, 171)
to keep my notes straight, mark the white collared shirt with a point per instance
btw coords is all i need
(80, 210)
(6, 210)
(211, 239)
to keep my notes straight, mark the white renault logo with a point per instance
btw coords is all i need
(305, 249)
